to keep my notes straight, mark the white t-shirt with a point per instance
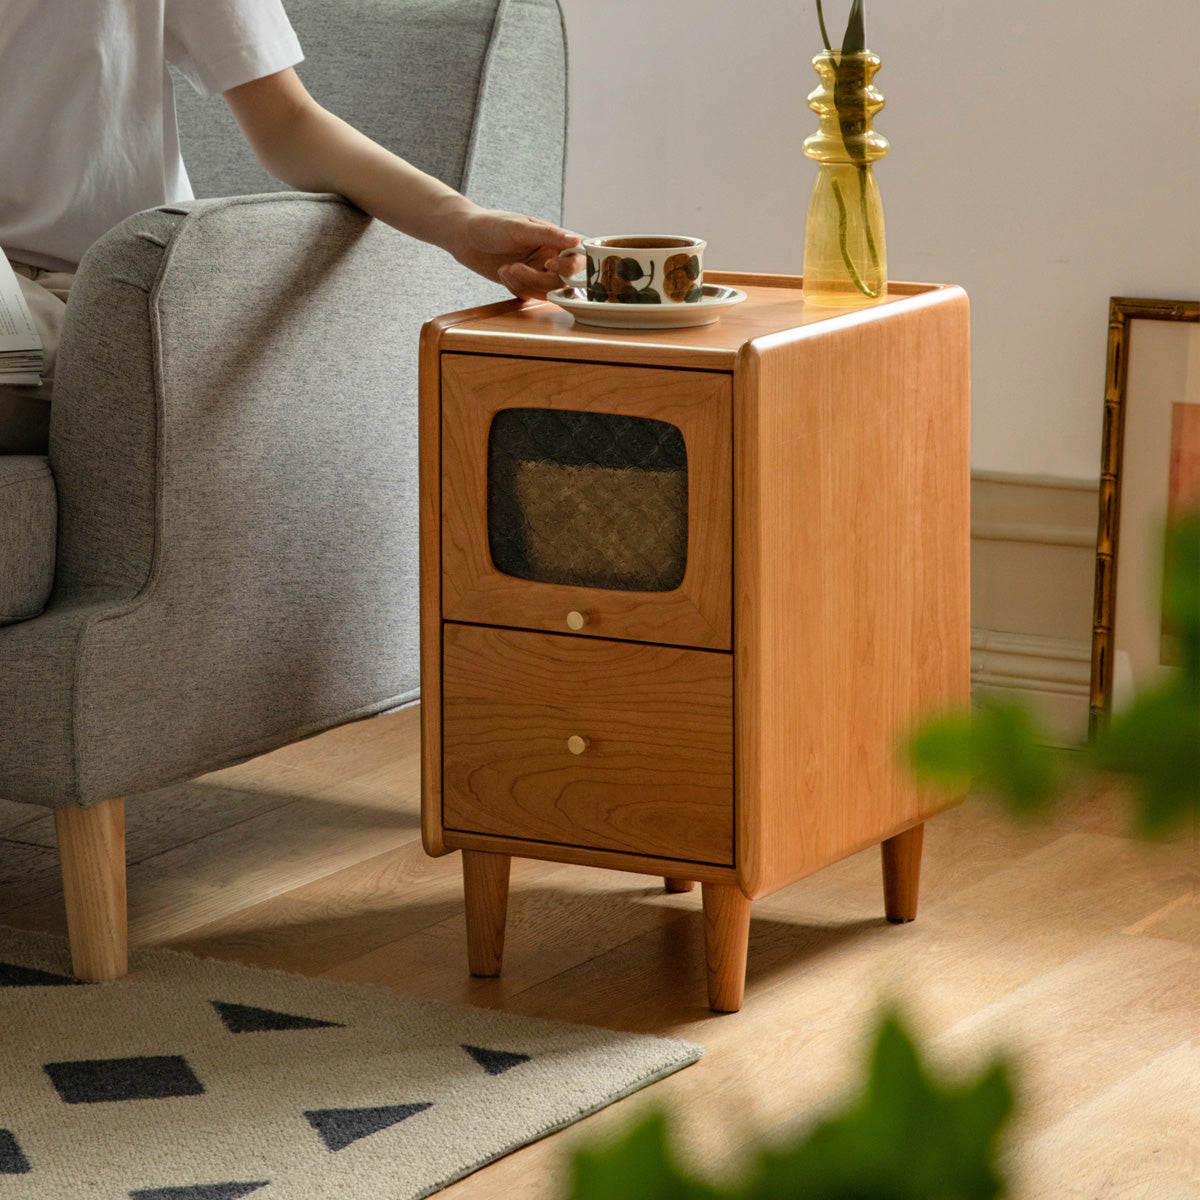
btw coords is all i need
(87, 112)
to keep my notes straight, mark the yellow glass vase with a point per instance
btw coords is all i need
(845, 260)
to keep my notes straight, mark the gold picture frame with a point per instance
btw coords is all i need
(1152, 384)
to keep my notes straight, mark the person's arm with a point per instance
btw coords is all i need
(306, 146)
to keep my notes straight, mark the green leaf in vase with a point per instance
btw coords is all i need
(855, 41)
(824, 31)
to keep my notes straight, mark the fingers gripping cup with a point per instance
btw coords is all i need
(644, 268)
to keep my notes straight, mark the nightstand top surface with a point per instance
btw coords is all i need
(774, 304)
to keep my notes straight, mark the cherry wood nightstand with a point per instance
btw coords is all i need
(684, 591)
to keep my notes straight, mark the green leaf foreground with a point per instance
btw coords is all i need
(1153, 746)
(907, 1137)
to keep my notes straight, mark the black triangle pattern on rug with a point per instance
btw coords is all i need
(105, 1080)
(12, 1157)
(339, 1127)
(495, 1062)
(199, 1191)
(245, 1018)
(13, 976)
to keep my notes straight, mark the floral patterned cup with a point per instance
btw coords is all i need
(643, 268)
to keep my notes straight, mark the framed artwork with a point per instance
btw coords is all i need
(1150, 469)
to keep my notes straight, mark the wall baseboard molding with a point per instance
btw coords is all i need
(1033, 532)
(1051, 675)
(1033, 549)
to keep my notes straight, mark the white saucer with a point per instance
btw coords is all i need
(715, 301)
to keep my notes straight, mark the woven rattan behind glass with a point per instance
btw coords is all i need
(587, 499)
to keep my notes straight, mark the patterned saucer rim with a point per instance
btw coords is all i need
(716, 300)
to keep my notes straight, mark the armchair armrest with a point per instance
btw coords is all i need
(234, 444)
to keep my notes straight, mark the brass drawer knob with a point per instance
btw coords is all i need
(576, 619)
(577, 744)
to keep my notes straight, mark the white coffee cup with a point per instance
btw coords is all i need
(641, 268)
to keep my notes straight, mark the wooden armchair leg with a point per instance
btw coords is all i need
(91, 848)
(485, 890)
(902, 874)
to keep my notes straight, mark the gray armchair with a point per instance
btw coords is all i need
(233, 439)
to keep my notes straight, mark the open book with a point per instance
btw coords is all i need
(20, 346)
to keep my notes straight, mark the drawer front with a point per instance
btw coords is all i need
(587, 497)
(577, 741)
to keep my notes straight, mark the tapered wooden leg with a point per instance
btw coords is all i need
(726, 937)
(485, 887)
(678, 885)
(902, 874)
(91, 849)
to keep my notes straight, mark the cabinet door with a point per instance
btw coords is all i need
(587, 497)
(582, 742)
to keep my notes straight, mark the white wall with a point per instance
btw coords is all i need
(1046, 156)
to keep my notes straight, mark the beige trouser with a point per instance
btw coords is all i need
(25, 411)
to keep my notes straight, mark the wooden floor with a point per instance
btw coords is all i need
(1067, 945)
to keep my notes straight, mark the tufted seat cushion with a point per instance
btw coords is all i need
(28, 527)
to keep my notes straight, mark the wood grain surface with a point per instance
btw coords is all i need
(851, 569)
(655, 772)
(697, 403)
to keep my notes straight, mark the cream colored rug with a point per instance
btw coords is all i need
(193, 1079)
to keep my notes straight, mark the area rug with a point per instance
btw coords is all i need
(192, 1079)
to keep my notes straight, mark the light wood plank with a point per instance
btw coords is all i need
(1177, 921)
(14, 817)
(1136, 1140)
(558, 918)
(29, 875)
(336, 756)
(337, 917)
(1066, 1052)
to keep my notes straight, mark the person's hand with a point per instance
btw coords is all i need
(526, 255)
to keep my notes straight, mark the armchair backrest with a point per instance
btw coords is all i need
(432, 80)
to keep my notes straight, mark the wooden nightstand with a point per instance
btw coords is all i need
(684, 591)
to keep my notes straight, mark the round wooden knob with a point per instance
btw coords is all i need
(577, 744)
(576, 619)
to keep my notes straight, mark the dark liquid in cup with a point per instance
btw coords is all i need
(636, 243)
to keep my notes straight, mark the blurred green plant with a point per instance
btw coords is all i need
(907, 1137)
(1153, 745)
